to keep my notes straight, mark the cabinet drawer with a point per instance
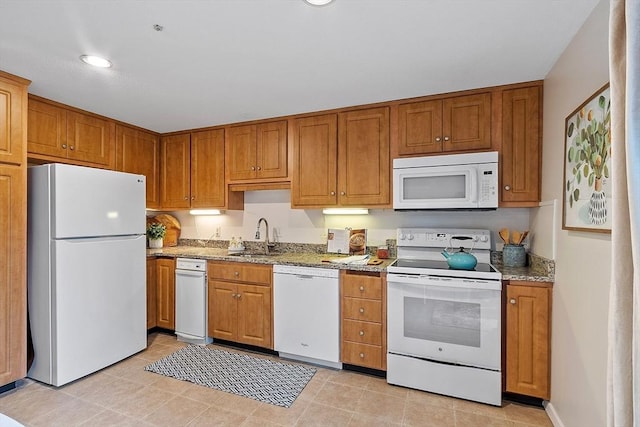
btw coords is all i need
(362, 309)
(362, 332)
(360, 286)
(362, 355)
(240, 272)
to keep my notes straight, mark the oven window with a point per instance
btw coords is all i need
(435, 187)
(442, 321)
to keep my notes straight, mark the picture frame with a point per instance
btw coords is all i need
(586, 202)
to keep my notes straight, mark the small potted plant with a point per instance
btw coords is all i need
(155, 234)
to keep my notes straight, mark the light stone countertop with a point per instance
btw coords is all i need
(538, 270)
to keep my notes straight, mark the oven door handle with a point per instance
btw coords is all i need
(423, 281)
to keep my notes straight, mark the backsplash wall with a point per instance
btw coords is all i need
(310, 226)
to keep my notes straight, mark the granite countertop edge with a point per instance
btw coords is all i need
(535, 272)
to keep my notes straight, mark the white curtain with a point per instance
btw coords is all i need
(623, 374)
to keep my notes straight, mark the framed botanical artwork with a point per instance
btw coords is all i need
(587, 165)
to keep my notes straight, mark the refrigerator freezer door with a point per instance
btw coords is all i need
(99, 304)
(89, 202)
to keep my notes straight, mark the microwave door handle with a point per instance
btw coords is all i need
(473, 177)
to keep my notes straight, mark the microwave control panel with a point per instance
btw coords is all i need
(488, 185)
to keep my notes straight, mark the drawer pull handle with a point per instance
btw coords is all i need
(361, 355)
(361, 333)
(361, 288)
(361, 310)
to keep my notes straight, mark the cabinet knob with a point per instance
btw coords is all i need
(64, 146)
(71, 147)
(186, 197)
(333, 193)
(253, 168)
(342, 193)
(361, 310)
(512, 301)
(193, 197)
(239, 296)
(236, 273)
(361, 288)
(507, 187)
(361, 333)
(438, 139)
(446, 138)
(361, 355)
(259, 168)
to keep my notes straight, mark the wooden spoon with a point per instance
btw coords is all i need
(524, 236)
(504, 235)
(517, 237)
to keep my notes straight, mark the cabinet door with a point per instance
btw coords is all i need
(207, 169)
(271, 150)
(152, 294)
(420, 128)
(241, 152)
(528, 327)
(46, 129)
(12, 121)
(521, 156)
(254, 315)
(223, 310)
(466, 122)
(166, 279)
(13, 286)
(315, 167)
(137, 152)
(364, 172)
(175, 165)
(89, 139)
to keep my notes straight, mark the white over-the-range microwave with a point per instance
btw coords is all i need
(452, 181)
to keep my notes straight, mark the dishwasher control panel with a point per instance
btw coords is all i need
(191, 264)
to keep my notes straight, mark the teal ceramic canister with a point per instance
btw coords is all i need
(514, 256)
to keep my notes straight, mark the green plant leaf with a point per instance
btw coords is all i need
(576, 194)
(601, 101)
(578, 177)
(568, 185)
(570, 130)
(592, 178)
(585, 170)
(606, 171)
(570, 201)
(572, 154)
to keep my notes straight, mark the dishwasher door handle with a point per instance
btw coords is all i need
(304, 276)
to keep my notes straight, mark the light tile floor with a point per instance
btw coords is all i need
(126, 395)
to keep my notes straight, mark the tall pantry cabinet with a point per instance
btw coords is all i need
(13, 229)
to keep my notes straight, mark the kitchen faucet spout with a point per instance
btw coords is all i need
(267, 243)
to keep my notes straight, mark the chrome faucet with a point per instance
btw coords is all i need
(267, 243)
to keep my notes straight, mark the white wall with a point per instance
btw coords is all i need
(583, 266)
(310, 226)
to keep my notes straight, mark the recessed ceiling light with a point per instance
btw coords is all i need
(318, 2)
(96, 61)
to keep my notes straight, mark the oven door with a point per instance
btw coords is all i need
(444, 319)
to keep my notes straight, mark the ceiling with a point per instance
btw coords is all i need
(227, 61)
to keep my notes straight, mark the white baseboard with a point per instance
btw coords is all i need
(553, 415)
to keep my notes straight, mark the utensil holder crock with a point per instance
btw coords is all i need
(514, 256)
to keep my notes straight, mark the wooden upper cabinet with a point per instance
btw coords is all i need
(13, 116)
(461, 123)
(315, 167)
(521, 147)
(175, 175)
(341, 160)
(528, 333)
(257, 152)
(138, 152)
(57, 133)
(364, 171)
(47, 132)
(207, 169)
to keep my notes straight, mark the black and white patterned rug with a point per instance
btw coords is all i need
(259, 379)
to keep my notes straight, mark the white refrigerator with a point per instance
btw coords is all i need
(86, 269)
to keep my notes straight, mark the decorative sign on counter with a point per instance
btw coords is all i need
(347, 241)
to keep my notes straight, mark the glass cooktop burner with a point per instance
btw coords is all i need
(439, 265)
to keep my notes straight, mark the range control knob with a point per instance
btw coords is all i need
(410, 237)
(484, 238)
(402, 236)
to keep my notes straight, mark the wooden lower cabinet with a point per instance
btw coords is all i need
(152, 294)
(240, 303)
(528, 338)
(363, 323)
(166, 296)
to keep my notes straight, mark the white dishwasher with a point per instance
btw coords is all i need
(306, 311)
(191, 301)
